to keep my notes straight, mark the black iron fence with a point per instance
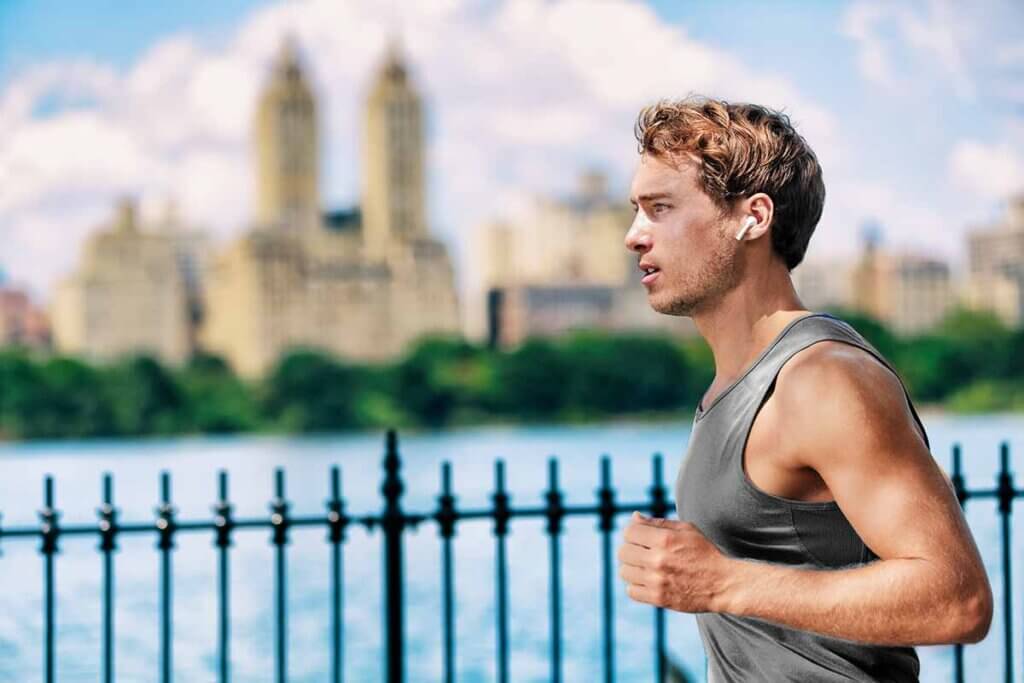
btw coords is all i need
(393, 521)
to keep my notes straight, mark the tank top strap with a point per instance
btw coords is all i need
(807, 331)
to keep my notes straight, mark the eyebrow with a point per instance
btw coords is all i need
(651, 195)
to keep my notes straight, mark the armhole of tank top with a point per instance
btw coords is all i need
(763, 396)
(747, 425)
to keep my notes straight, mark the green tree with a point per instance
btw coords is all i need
(700, 362)
(980, 345)
(218, 401)
(146, 397)
(924, 363)
(21, 395)
(310, 391)
(987, 396)
(533, 380)
(624, 373)
(438, 377)
(1015, 354)
(56, 398)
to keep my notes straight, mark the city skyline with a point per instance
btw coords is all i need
(514, 109)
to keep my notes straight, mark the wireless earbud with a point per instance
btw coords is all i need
(747, 225)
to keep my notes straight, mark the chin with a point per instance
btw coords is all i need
(667, 305)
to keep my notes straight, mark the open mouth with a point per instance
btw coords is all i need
(650, 275)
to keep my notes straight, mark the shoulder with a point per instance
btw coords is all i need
(836, 366)
(834, 393)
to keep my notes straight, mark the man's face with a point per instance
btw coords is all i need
(679, 231)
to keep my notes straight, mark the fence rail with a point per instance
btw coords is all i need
(393, 522)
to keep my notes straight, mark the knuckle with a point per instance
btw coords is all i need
(658, 560)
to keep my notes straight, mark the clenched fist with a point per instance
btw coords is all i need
(672, 564)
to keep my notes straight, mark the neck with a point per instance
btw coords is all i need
(747, 318)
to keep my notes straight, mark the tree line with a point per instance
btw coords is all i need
(969, 362)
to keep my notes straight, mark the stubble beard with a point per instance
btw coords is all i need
(721, 271)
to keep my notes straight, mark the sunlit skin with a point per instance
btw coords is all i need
(929, 585)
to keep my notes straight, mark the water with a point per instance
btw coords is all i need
(250, 461)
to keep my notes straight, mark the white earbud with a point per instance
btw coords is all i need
(747, 225)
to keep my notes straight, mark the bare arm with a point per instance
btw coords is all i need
(848, 420)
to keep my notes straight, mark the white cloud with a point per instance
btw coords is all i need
(858, 23)
(1010, 55)
(67, 81)
(927, 46)
(937, 35)
(991, 171)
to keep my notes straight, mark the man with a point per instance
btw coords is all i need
(817, 540)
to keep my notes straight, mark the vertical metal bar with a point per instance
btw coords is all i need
(501, 517)
(1005, 489)
(961, 495)
(606, 496)
(279, 521)
(50, 531)
(446, 521)
(224, 524)
(659, 508)
(165, 527)
(108, 530)
(336, 535)
(392, 525)
(554, 512)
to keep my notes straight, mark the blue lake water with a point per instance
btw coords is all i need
(250, 462)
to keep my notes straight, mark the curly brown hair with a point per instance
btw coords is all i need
(741, 149)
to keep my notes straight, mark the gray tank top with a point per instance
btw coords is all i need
(713, 492)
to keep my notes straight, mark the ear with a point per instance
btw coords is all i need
(761, 207)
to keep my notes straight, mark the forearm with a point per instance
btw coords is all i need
(887, 602)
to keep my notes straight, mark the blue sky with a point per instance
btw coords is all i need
(916, 109)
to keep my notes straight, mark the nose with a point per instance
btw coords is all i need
(638, 237)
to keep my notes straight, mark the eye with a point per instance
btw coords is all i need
(661, 208)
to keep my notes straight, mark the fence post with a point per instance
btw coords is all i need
(659, 508)
(555, 511)
(280, 522)
(166, 526)
(49, 531)
(336, 521)
(392, 525)
(108, 544)
(1005, 491)
(224, 524)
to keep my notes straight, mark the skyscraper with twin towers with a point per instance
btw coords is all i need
(362, 283)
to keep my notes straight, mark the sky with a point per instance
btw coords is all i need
(914, 109)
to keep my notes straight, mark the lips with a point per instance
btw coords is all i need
(646, 266)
